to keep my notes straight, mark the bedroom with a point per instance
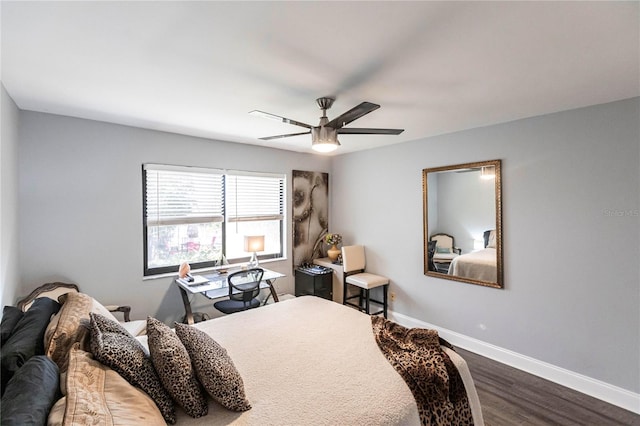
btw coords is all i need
(570, 196)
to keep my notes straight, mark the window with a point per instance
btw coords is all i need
(201, 216)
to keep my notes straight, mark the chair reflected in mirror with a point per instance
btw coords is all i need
(244, 288)
(445, 252)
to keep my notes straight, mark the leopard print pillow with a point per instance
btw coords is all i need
(171, 361)
(214, 368)
(114, 347)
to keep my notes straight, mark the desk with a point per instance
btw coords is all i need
(218, 287)
(338, 277)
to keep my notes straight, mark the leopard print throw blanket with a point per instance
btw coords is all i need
(430, 374)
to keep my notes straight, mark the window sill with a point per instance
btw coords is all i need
(204, 270)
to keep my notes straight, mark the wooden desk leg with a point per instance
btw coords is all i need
(272, 292)
(187, 306)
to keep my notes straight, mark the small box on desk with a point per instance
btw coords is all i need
(314, 280)
(194, 280)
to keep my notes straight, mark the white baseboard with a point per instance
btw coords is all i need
(592, 387)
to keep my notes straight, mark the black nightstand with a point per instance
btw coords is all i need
(314, 280)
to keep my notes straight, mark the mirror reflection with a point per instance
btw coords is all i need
(462, 223)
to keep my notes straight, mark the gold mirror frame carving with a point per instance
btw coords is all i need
(498, 205)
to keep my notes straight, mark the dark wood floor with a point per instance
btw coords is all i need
(512, 397)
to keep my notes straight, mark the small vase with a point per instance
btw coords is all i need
(333, 253)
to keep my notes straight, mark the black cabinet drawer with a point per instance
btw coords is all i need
(320, 285)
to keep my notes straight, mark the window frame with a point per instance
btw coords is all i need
(225, 222)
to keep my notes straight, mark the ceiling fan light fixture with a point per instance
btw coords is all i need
(325, 146)
(324, 139)
(324, 136)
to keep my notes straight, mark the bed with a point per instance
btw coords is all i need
(311, 361)
(305, 360)
(481, 265)
(478, 265)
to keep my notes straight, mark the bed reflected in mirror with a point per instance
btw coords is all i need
(462, 207)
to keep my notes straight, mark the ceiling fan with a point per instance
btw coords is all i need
(324, 136)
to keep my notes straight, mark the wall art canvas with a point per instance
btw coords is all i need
(310, 215)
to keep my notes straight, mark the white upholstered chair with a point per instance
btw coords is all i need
(57, 289)
(445, 250)
(353, 264)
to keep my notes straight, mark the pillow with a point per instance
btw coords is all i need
(10, 317)
(98, 395)
(172, 362)
(492, 239)
(27, 339)
(113, 346)
(69, 326)
(56, 414)
(31, 393)
(96, 307)
(443, 250)
(99, 308)
(214, 368)
(4, 380)
(136, 327)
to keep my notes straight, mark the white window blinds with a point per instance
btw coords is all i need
(183, 195)
(252, 196)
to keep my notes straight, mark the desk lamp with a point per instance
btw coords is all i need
(253, 244)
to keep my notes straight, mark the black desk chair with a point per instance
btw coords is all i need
(244, 287)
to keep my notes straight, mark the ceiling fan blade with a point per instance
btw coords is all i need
(365, 131)
(353, 114)
(268, 138)
(278, 118)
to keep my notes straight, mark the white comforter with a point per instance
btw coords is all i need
(309, 361)
(478, 265)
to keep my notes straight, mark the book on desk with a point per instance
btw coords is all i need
(196, 280)
(204, 283)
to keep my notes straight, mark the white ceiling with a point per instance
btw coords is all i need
(198, 68)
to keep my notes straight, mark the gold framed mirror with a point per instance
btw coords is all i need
(462, 211)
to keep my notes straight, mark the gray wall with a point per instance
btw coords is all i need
(570, 192)
(9, 273)
(571, 236)
(81, 205)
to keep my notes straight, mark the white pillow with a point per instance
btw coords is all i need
(136, 327)
(98, 308)
(492, 239)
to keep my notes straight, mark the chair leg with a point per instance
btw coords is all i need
(344, 290)
(367, 310)
(360, 298)
(384, 300)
